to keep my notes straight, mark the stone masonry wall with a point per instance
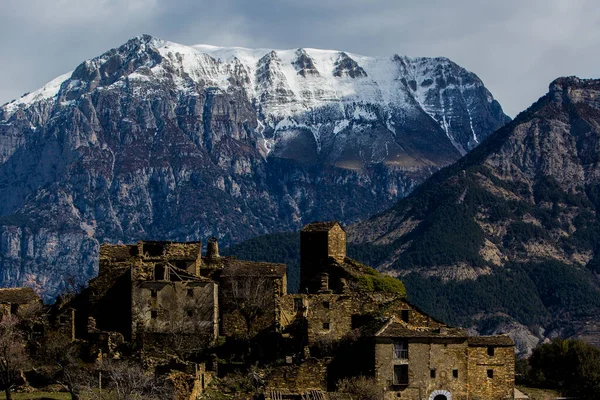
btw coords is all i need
(232, 320)
(502, 363)
(336, 243)
(341, 310)
(423, 356)
(163, 307)
(309, 375)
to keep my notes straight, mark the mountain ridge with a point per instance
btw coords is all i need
(155, 140)
(512, 226)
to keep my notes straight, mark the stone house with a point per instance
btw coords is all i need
(415, 362)
(14, 301)
(410, 354)
(167, 295)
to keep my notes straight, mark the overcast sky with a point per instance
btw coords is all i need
(517, 47)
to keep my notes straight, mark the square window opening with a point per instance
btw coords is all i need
(153, 314)
(405, 315)
(190, 313)
(14, 308)
(432, 373)
(153, 293)
(326, 325)
(455, 373)
(325, 304)
(490, 351)
(490, 373)
(400, 374)
(190, 292)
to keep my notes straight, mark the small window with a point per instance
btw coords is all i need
(325, 304)
(401, 350)
(159, 272)
(298, 304)
(14, 308)
(401, 374)
(326, 325)
(190, 292)
(490, 373)
(153, 293)
(490, 351)
(432, 373)
(153, 314)
(455, 373)
(405, 315)
(190, 313)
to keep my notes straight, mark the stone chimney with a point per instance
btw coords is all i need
(212, 248)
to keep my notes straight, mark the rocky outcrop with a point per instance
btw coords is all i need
(155, 140)
(512, 228)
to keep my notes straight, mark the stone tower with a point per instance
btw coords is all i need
(319, 241)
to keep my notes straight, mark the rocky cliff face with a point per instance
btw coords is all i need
(162, 141)
(509, 236)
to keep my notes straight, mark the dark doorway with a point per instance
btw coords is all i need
(440, 397)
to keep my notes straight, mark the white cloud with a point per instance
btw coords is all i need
(516, 46)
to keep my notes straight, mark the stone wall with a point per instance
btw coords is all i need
(300, 378)
(313, 253)
(344, 312)
(444, 357)
(169, 307)
(502, 363)
(336, 243)
(233, 310)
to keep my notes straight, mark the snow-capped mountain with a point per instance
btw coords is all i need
(160, 140)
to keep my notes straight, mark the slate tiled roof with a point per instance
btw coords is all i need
(498, 340)
(22, 295)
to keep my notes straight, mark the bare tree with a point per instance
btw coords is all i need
(248, 296)
(127, 381)
(60, 352)
(361, 388)
(13, 358)
(186, 326)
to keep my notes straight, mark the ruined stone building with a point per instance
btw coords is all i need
(168, 297)
(410, 354)
(16, 300)
(166, 294)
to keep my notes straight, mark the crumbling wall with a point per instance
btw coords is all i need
(336, 315)
(117, 252)
(233, 310)
(170, 307)
(300, 378)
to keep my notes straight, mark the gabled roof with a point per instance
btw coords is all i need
(399, 329)
(234, 267)
(22, 295)
(321, 226)
(497, 340)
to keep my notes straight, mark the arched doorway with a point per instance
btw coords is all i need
(440, 395)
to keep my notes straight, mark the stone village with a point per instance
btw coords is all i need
(207, 316)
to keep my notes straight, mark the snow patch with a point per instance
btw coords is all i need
(48, 91)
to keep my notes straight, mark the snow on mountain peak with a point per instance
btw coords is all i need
(288, 84)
